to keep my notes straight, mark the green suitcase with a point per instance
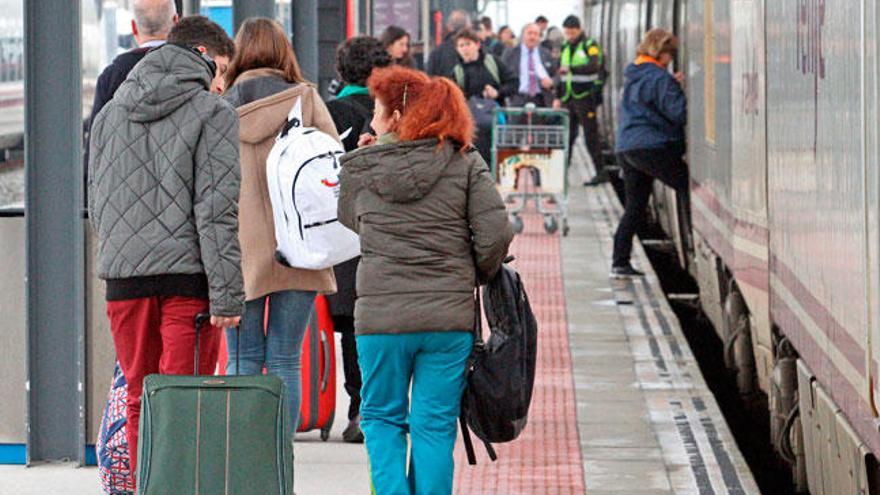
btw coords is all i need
(209, 435)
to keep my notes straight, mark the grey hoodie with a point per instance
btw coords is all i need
(164, 178)
(430, 222)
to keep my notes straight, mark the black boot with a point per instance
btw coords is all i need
(353, 433)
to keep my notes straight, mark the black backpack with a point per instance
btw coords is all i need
(501, 371)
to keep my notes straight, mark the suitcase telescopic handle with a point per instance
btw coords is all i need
(325, 347)
(201, 319)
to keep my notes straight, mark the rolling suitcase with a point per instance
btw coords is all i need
(214, 434)
(318, 405)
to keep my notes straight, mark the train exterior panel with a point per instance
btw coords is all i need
(747, 225)
(819, 181)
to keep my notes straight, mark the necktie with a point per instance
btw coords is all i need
(533, 77)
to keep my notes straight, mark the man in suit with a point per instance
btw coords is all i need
(535, 68)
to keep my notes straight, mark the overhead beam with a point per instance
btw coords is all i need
(55, 292)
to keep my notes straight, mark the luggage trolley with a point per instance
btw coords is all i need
(534, 140)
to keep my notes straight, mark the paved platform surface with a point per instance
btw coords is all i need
(619, 407)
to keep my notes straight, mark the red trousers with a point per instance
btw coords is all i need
(157, 335)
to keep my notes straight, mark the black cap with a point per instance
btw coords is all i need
(571, 22)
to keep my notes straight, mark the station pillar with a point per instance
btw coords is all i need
(305, 36)
(55, 236)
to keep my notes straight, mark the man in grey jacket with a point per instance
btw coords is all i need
(163, 183)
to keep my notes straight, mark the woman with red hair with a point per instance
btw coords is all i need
(431, 224)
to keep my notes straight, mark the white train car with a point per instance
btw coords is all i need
(785, 194)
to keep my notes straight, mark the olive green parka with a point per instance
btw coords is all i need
(430, 222)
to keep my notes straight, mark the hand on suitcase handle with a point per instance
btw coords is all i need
(201, 318)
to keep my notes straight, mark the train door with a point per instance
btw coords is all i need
(608, 105)
(748, 189)
(662, 15)
(871, 113)
(666, 205)
(628, 19)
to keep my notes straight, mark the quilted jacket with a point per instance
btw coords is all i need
(430, 221)
(164, 178)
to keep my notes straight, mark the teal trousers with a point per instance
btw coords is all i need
(434, 364)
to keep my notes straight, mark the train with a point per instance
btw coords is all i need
(782, 233)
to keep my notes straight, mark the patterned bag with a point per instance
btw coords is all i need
(112, 447)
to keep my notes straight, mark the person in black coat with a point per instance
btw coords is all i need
(153, 20)
(491, 43)
(352, 111)
(481, 76)
(444, 57)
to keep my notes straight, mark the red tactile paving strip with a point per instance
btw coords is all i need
(546, 459)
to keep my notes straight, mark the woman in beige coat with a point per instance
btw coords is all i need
(264, 83)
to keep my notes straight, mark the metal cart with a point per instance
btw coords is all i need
(530, 163)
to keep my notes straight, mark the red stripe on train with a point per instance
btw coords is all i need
(844, 394)
(754, 272)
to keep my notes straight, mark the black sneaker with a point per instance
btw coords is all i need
(625, 271)
(353, 433)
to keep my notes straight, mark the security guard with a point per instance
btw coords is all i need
(582, 72)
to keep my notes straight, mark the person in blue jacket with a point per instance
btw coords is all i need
(650, 138)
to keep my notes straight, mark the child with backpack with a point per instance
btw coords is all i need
(486, 83)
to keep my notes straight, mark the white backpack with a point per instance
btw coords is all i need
(303, 174)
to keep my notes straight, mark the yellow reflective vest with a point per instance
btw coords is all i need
(579, 81)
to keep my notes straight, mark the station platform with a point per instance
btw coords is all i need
(620, 406)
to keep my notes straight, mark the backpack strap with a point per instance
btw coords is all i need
(458, 73)
(492, 66)
(466, 439)
(294, 117)
(469, 443)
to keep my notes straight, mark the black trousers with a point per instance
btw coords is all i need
(640, 168)
(483, 143)
(350, 366)
(582, 114)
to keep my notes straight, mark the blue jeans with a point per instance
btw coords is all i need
(434, 362)
(280, 347)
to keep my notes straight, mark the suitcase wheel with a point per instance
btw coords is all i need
(325, 434)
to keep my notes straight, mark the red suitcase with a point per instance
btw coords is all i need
(318, 403)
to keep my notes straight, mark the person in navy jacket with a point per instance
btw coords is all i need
(650, 138)
(153, 20)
